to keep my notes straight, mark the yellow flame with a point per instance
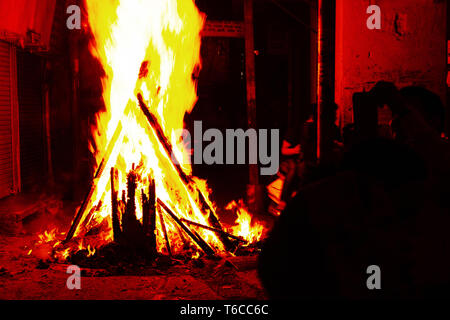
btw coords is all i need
(91, 251)
(48, 236)
(243, 224)
(151, 47)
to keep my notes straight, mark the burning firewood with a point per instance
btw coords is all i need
(152, 210)
(115, 204)
(205, 206)
(197, 239)
(196, 224)
(142, 134)
(132, 236)
(81, 212)
(149, 215)
(129, 214)
(166, 237)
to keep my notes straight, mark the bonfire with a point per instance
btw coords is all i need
(144, 198)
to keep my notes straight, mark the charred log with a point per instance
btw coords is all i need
(198, 240)
(166, 236)
(115, 204)
(196, 224)
(81, 212)
(149, 216)
(205, 206)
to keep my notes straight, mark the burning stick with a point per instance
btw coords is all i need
(183, 237)
(149, 202)
(152, 208)
(199, 241)
(131, 194)
(115, 203)
(166, 237)
(145, 213)
(149, 214)
(186, 180)
(93, 187)
(214, 230)
(130, 225)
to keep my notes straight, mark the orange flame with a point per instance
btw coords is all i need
(244, 227)
(152, 48)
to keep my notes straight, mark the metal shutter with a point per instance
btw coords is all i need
(32, 148)
(6, 156)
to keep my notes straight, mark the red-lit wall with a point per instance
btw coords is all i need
(410, 48)
(19, 16)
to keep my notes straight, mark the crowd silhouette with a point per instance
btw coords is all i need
(384, 203)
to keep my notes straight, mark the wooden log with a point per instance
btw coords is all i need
(115, 204)
(166, 236)
(129, 221)
(133, 236)
(88, 218)
(152, 213)
(149, 210)
(145, 212)
(188, 182)
(93, 186)
(150, 242)
(124, 197)
(229, 235)
(131, 194)
(149, 217)
(183, 237)
(198, 240)
(100, 170)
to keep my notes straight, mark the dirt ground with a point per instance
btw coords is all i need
(24, 276)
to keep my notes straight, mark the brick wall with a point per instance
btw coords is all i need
(409, 49)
